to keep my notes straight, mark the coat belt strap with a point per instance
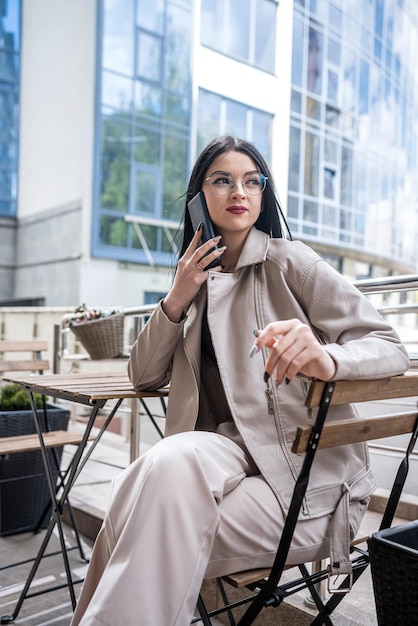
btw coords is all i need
(340, 566)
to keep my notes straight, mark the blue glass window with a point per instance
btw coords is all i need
(242, 29)
(9, 103)
(145, 125)
(218, 115)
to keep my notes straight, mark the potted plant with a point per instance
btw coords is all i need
(24, 495)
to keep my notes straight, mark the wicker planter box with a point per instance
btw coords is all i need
(24, 495)
(102, 337)
(394, 566)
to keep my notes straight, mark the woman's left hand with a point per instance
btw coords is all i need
(293, 348)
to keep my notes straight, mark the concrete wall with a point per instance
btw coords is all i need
(8, 229)
(48, 256)
(56, 147)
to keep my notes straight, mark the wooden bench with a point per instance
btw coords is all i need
(33, 361)
(307, 440)
(28, 356)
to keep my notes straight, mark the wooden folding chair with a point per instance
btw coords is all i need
(265, 583)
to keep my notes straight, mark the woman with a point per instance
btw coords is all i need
(211, 498)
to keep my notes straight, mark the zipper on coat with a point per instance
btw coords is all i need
(269, 392)
(270, 401)
(259, 324)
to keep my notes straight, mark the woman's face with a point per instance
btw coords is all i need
(237, 210)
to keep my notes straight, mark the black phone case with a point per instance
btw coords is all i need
(199, 214)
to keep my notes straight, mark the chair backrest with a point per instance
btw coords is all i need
(366, 429)
(23, 356)
(322, 435)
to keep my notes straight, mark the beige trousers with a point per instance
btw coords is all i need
(188, 509)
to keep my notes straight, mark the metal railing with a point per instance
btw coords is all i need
(387, 286)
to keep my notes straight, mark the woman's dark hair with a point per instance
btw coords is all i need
(271, 219)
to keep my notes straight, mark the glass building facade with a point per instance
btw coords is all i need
(352, 132)
(9, 103)
(144, 124)
(349, 162)
(354, 126)
(144, 134)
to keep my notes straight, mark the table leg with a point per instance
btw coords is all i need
(77, 464)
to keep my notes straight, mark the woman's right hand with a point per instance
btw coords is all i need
(190, 275)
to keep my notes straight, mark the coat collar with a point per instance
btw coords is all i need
(255, 249)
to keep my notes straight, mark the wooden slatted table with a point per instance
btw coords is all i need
(93, 390)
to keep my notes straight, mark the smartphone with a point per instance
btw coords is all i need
(199, 213)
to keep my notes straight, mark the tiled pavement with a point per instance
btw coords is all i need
(90, 494)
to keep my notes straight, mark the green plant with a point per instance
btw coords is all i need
(14, 398)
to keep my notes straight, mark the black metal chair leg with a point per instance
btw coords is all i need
(203, 612)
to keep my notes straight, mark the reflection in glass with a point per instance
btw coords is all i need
(331, 151)
(148, 64)
(332, 117)
(318, 7)
(349, 79)
(364, 88)
(148, 99)
(115, 165)
(175, 171)
(211, 12)
(292, 207)
(9, 103)
(368, 155)
(294, 158)
(311, 164)
(346, 175)
(262, 132)
(313, 108)
(146, 145)
(236, 118)
(150, 15)
(329, 215)
(329, 183)
(243, 29)
(118, 36)
(218, 115)
(314, 70)
(296, 102)
(177, 108)
(113, 231)
(297, 52)
(265, 35)
(5, 183)
(238, 29)
(177, 49)
(145, 188)
(116, 91)
(145, 112)
(334, 51)
(208, 115)
(333, 89)
(335, 17)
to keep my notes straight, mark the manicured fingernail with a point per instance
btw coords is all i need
(199, 226)
(253, 351)
(266, 376)
(255, 333)
(287, 381)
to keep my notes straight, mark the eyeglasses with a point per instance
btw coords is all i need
(222, 183)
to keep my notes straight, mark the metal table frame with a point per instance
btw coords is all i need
(93, 390)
